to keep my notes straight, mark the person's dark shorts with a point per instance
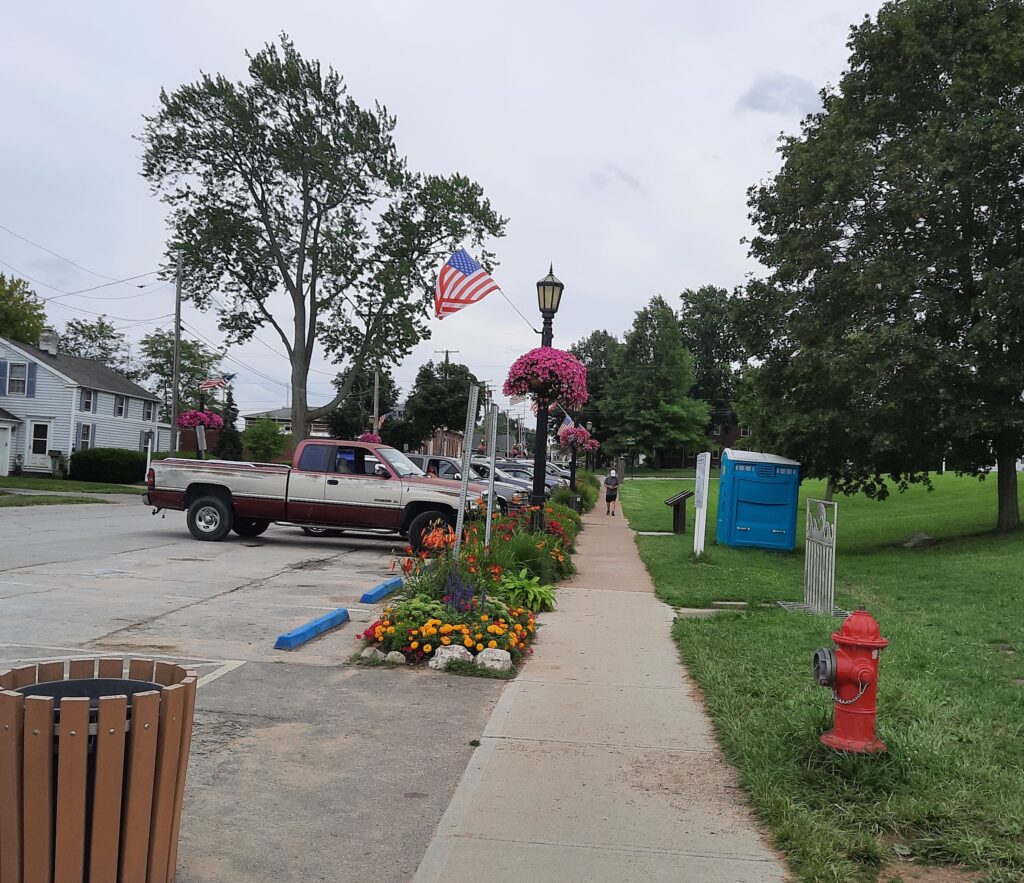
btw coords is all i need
(610, 498)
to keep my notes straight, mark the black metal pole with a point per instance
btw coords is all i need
(572, 470)
(540, 445)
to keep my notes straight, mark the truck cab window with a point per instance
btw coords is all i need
(315, 458)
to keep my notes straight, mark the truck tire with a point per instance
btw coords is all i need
(321, 532)
(210, 518)
(424, 523)
(250, 527)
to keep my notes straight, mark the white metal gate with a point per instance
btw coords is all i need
(819, 561)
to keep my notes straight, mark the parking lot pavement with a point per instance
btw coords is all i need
(303, 767)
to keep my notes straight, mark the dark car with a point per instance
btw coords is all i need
(507, 495)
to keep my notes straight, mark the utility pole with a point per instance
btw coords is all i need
(176, 361)
(376, 400)
(447, 353)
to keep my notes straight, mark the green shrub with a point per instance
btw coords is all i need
(182, 455)
(263, 440)
(109, 465)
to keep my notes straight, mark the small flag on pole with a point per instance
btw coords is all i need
(215, 383)
(517, 400)
(460, 283)
(566, 423)
(382, 418)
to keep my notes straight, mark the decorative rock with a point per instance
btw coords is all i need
(498, 660)
(920, 541)
(395, 656)
(373, 654)
(444, 654)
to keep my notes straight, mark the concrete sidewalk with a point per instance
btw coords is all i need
(598, 762)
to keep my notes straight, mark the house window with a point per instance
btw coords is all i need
(120, 406)
(17, 378)
(87, 401)
(744, 430)
(717, 430)
(716, 455)
(148, 409)
(85, 441)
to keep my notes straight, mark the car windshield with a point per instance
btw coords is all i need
(399, 462)
(476, 471)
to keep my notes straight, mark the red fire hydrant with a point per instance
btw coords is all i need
(852, 673)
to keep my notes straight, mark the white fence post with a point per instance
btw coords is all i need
(819, 561)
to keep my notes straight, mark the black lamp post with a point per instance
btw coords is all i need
(590, 456)
(549, 295)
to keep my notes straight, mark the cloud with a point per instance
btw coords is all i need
(777, 92)
(612, 175)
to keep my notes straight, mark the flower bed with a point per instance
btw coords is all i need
(484, 599)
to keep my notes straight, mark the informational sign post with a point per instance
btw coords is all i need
(492, 455)
(467, 453)
(700, 502)
(201, 441)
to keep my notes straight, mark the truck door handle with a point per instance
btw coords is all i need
(332, 481)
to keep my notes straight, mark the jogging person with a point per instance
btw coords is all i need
(611, 492)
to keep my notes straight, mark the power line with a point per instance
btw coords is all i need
(64, 292)
(56, 255)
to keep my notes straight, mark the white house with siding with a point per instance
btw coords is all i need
(53, 402)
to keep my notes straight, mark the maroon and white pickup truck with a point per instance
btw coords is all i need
(332, 485)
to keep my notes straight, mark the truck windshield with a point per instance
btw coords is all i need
(399, 462)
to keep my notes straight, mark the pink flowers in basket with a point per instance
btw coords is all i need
(549, 375)
(192, 419)
(574, 437)
(369, 437)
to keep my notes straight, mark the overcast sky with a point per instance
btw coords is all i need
(619, 139)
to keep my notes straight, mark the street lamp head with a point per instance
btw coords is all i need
(549, 293)
(590, 426)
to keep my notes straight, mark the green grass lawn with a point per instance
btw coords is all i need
(951, 690)
(79, 487)
(9, 500)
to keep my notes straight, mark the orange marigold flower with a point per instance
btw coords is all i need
(479, 646)
(427, 648)
(492, 644)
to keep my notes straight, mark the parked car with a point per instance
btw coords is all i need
(484, 467)
(552, 469)
(332, 485)
(507, 495)
(525, 473)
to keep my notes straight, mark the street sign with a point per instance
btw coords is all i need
(700, 502)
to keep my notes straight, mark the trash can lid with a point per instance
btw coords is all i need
(92, 689)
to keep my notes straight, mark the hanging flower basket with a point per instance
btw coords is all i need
(574, 437)
(548, 375)
(369, 437)
(192, 419)
(592, 445)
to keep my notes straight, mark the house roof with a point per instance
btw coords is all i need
(279, 414)
(757, 457)
(85, 372)
(8, 416)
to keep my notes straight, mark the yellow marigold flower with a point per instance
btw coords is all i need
(414, 644)
(446, 629)
(492, 644)
(468, 642)
(479, 647)
(484, 618)
(391, 629)
(414, 632)
(427, 648)
(479, 635)
(446, 640)
(385, 623)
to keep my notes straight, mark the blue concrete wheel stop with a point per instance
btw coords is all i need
(381, 590)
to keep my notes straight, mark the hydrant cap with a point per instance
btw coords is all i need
(860, 629)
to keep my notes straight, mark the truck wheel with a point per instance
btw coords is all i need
(210, 518)
(424, 523)
(250, 527)
(321, 532)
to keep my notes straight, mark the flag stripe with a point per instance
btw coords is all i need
(460, 283)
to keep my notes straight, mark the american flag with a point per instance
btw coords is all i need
(516, 400)
(566, 423)
(461, 282)
(215, 383)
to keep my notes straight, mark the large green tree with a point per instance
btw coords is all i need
(709, 333)
(22, 316)
(355, 414)
(895, 230)
(229, 439)
(100, 340)
(648, 395)
(293, 199)
(597, 353)
(439, 398)
(155, 368)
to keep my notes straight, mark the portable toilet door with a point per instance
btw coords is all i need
(757, 501)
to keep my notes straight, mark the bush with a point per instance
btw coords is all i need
(109, 465)
(181, 455)
(263, 440)
(587, 494)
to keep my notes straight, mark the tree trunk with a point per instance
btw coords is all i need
(300, 428)
(1006, 462)
(830, 489)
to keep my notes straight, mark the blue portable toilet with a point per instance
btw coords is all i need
(757, 500)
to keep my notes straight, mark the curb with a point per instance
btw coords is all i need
(299, 636)
(380, 590)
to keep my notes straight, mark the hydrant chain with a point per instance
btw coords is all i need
(860, 692)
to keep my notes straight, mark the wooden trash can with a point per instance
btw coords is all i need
(91, 790)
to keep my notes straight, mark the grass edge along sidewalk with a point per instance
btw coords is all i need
(951, 688)
(10, 500)
(59, 486)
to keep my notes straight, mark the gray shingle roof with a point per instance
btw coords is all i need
(279, 414)
(86, 372)
(7, 415)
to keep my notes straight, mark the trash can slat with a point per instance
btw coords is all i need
(189, 683)
(50, 671)
(24, 676)
(11, 748)
(164, 674)
(138, 802)
(111, 668)
(38, 801)
(72, 770)
(81, 668)
(172, 708)
(140, 669)
(106, 799)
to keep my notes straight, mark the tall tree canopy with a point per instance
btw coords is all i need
(155, 369)
(439, 398)
(355, 415)
(648, 395)
(708, 332)
(100, 340)
(284, 187)
(597, 353)
(22, 316)
(895, 230)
